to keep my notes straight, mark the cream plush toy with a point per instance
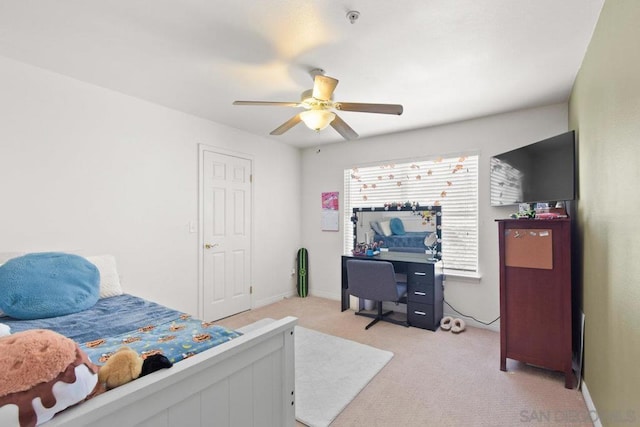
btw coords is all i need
(41, 374)
(124, 366)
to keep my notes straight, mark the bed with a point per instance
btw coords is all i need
(410, 241)
(246, 379)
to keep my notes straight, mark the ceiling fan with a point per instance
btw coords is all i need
(318, 103)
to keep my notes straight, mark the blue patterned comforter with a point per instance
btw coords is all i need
(108, 317)
(177, 339)
(128, 320)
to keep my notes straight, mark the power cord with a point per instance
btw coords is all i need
(466, 315)
(471, 317)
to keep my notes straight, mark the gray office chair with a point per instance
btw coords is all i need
(375, 280)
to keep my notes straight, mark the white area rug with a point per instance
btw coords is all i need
(330, 372)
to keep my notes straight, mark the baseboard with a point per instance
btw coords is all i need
(273, 299)
(590, 405)
(401, 308)
(327, 295)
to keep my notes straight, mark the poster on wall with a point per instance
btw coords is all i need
(330, 211)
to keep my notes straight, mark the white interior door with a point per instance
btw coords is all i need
(225, 234)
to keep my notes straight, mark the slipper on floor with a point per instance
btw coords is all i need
(445, 323)
(458, 326)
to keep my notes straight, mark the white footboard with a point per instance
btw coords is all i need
(248, 381)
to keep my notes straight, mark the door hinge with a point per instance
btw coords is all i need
(250, 290)
(251, 178)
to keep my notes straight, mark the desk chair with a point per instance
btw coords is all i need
(375, 280)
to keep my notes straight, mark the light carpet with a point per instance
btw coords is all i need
(330, 372)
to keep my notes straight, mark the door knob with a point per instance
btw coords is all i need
(208, 246)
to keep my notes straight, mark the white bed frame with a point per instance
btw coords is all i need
(248, 381)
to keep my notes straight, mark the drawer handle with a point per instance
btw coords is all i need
(420, 293)
(418, 273)
(421, 313)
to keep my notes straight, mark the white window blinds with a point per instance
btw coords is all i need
(451, 183)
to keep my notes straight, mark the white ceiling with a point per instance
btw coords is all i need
(443, 60)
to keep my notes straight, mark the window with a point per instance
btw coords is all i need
(451, 183)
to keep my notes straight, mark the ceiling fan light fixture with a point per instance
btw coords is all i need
(317, 119)
(319, 105)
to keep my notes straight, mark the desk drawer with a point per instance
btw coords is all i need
(421, 315)
(420, 292)
(420, 273)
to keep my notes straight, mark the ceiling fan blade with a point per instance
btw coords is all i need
(369, 108)
(286, 125)
(268, 103)
(343, 128)
(323, 87)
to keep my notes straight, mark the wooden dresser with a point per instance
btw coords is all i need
(535, 294)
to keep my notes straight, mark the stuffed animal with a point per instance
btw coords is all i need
(126, 365)
(155, 362)
(122, 367)
(41, 373)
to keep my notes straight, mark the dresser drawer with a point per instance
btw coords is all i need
(421, 316)
(420, 292)
(420, 274)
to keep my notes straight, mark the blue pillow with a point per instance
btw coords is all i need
(47, 284)
(397, 227)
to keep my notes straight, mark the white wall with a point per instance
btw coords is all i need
(91, 170)
(323, 171)
(84, 168)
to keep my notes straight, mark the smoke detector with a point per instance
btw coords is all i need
(353, 16)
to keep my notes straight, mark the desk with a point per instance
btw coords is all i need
(424, 286)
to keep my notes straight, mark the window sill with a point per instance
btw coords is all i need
(463, 276)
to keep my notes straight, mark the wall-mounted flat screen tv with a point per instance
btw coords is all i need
(544, 171)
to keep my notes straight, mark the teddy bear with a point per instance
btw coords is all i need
(125, 365)
(122, 367)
